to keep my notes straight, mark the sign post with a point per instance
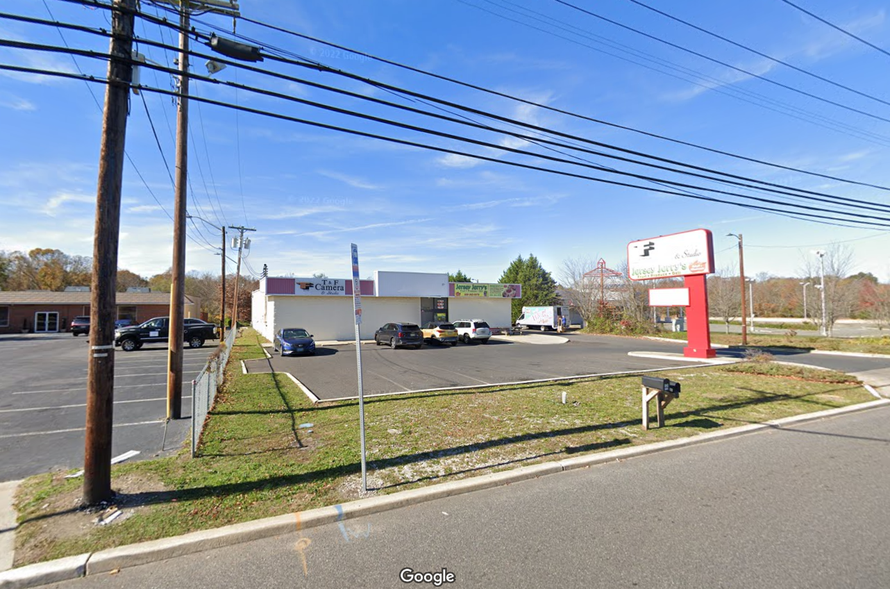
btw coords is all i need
(357, 304)
(689, 254)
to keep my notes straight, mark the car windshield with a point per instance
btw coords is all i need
(481, 324)
(294, 333)
(409, 327)
(445, 326)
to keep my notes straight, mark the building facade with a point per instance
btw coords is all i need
(324, 306)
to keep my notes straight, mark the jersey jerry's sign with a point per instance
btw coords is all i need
(681, 254)
(488, 290)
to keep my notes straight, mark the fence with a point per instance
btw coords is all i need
(205, 386)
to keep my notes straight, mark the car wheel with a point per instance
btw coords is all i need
(453, 344)
(128, 345)
(376, 341)
(392, 343)
(543, 328)
(418, 346)
(485, 341)
(196, 341)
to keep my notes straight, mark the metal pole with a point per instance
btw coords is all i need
(821, 255)
(361, 405)
(742, 281)
(176, 323)
(805, 285)
(100, 367)
(222, 304)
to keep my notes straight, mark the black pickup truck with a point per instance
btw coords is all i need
(195, 333)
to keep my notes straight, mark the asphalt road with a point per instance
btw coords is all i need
(803, 506)
(43, 402)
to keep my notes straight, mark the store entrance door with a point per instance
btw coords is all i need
(45, 322)
(433, 309)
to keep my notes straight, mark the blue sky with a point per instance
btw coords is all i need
(310, 192)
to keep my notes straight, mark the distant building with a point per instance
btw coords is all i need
(324, 306)
(43, 311)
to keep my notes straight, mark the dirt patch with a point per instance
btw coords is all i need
(61, 518)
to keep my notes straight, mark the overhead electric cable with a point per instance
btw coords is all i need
(759, 53)
(528, 102)
(837, 28)
(825, 219)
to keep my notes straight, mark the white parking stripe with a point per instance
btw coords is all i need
(77, 429)
(84, 405)
(129, 386)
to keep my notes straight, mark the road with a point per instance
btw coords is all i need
(803, 506)
(43, 402)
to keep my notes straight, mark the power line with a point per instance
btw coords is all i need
(724, 64)
(759, 53)
(837, 28)
(686, 74)
(825, 219)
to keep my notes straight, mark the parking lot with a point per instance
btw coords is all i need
(331, 373)
(43, 402)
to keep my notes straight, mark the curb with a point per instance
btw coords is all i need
(156, 550)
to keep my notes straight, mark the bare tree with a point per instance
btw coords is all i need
(840, 295)
(580, 291)
(724, 294)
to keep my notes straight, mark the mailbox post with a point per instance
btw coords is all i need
(661, 389)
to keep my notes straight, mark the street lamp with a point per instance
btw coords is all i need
(742, 275)
(821, 255)
(805, 285)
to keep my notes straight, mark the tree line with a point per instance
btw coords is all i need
(54, 270)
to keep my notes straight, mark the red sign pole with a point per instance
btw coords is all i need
(697, 326)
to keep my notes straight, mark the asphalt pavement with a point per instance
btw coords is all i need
(789, 506)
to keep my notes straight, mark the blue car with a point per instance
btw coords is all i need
(293, 340)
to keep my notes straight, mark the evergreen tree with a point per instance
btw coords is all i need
(538, 286)
(459, 277)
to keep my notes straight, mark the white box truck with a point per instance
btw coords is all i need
(542, 318)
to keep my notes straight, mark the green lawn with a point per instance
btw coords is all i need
(260, 457)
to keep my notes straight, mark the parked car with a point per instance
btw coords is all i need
(399, 334)
(196, 321)
(80, 325)
(440, 331)
(158, 330)
(293, 340)
(472, 330)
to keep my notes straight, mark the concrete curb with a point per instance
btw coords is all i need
(156, 550)
(7, 524)
(850, 354)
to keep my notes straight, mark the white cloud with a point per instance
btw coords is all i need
(452, 160)
(15, 103)
(53, 204)
(350, 180)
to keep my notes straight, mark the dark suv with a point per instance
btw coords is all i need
(80, 325)
(399, 334)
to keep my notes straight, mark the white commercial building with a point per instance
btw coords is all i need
(324, 306)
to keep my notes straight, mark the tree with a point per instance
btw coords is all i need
(580, 290)
(127, 279)
(724, 295)
(459, 277)
(5, 265)
(840, 295)
(162, 282)
(538, 287)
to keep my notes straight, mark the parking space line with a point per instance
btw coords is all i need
(389, 380)
(77, 429)
(129, 386)
(22, 410)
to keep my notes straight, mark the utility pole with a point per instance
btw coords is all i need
(177, 290)
(742, 280)
(103, 283)
(821, 255)
(222, 302)
(805, 285)
(241, 231)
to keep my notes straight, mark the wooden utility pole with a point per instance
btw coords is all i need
(222, 305)
(241, 231)
(177, 289)
(103, 284)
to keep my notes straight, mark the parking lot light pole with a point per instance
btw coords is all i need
(821, 255)
(742, 277)
(805, 285)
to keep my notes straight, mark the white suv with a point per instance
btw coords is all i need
(475, 330)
